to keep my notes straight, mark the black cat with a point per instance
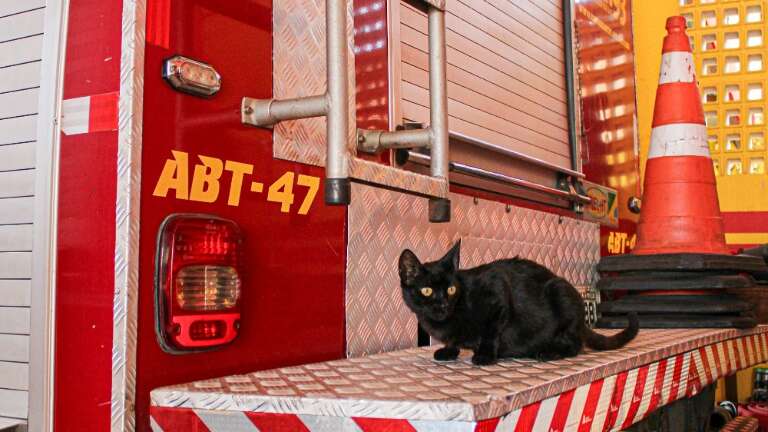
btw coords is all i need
(507, 308)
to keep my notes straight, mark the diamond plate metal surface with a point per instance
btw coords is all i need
(408, 384)
(299, 70)
(126, 291)
(382, 223)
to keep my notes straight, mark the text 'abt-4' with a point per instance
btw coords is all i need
(207, 179)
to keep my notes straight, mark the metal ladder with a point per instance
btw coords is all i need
(334, 105)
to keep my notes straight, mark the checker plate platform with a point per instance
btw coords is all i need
(407, 390)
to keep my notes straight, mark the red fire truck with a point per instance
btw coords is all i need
(199, 189)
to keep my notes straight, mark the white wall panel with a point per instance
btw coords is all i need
(19, 129)
(16, 210)
(21, 39)
(15, 265)
(17, 183)
(15, 238)
(21, 76)
(21, 50)
(14, 320)
(17, 156)
(12, 7)
(15, 348)
(18, 103)
(13, 376)
(21, 25)
(13, 403)
(15, 292)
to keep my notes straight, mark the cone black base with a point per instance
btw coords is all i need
(682, 262)
(677, 290)
(679, 321)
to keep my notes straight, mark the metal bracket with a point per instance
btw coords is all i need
(268, 112)
(376, 141)
(574, 187)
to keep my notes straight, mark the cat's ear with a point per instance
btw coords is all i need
(451, 259)
(410, 267)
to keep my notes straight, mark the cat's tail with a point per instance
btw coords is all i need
(600, 342)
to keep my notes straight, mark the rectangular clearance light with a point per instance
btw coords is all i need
(197, 282)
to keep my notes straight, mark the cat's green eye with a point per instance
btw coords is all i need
(426, 291)
(451, 290)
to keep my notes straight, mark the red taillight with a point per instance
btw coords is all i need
(205, 330)
(198, 282)
(207, 287)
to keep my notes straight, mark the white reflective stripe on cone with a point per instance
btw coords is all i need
(677, 66)
(679, 139)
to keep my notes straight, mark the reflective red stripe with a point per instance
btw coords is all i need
(657, 386)
(728, 347)
(755, 348)
(711, 375)
(684, 95)
(177, 419)
(694, 381)
(383, 425)
(676, 374)
(487, 425)
(560, 416)
(613, 407)
(103, 112)
(588, 415)
(750, 352)
(637, 396)
(527, 417)
(716, 350)
(277, 422)
(753, 341)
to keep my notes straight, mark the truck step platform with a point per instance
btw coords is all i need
(408, 391)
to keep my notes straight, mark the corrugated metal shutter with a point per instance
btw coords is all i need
(21, 36)
(506, 79)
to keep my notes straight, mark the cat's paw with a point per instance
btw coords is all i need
(446, 354)
(483, 360)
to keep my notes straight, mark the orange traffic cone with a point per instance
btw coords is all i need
(680, 211)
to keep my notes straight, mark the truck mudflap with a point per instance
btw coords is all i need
(407, 390)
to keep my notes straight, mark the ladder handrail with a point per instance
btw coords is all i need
(332, 104)
(435, 136)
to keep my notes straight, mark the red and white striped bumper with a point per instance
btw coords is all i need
(611, 402)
